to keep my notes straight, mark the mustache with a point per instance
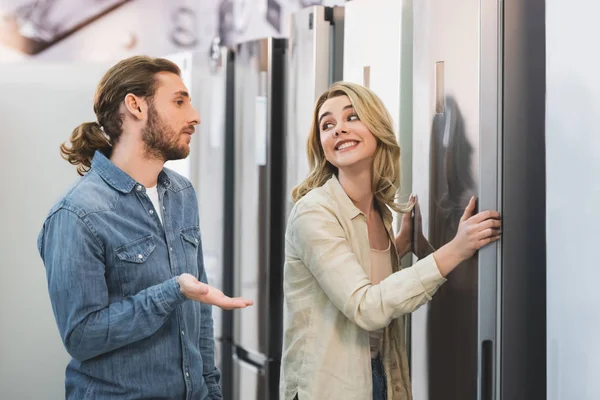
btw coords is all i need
(189, 130)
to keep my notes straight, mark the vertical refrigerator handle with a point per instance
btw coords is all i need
(490, 198)
(487, 370)
(488, 314)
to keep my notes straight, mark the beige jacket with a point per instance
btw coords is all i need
(330, 303)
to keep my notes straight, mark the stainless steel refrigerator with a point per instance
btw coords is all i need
(314, 61)
(378, 55)
(259, 216)
(380, 58)
(210, 77)
(479, 88)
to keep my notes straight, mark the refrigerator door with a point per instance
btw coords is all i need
(208, 171)
(259, 201)
(523, 280)
(250, 380)
(211, 78)
(380, 58)
(315, 53)
(455, 156)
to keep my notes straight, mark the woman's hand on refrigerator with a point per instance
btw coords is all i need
(474, 232)
(404, 240)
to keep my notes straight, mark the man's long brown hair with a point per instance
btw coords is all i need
(135, 75)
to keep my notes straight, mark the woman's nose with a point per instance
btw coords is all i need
(340, 129)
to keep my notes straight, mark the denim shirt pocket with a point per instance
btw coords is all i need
(190, 240)
(130, 258)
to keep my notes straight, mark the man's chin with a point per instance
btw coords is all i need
(179, 155)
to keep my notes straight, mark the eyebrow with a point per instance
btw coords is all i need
(328, 113)
(182, 93)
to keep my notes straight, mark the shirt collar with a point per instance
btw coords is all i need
(350, 211)
(117, 178)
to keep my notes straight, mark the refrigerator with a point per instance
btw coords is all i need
(380, 58)
(209, 77)
(258, 216)
(314, 62)
(478, 98)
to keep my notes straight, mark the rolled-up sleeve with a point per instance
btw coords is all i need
(320, 242)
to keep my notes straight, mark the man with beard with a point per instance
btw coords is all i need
(122, 248)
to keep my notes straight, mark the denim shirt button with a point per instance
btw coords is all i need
(151, 212)
(182, 333)
(187, 374)
(139, 187)
(140, 256)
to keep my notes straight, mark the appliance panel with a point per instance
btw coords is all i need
(446, 164)
(309, 69)
(250, 182)
(250, 381)
(380, 58)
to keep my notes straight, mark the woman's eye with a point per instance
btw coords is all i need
(326, 126)
(353, 117)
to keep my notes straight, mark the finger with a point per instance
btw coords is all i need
(489, 223)
(485, 215)
(487, 233)
(244, 301)
(235, 303)
(468, 210)
(486, 241)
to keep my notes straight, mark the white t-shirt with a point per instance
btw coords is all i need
(153, 194)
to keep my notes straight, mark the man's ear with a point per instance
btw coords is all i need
(134, 105)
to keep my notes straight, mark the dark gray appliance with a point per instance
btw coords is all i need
(479, 90)
(259, 216)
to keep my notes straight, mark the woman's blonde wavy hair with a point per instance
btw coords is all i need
(386, 160)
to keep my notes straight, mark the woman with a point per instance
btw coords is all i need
(344, 289)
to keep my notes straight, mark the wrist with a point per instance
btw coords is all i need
(177, 281)
(447, 258)
(402, 249)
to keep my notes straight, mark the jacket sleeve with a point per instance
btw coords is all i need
(320, 241)
(88, 324)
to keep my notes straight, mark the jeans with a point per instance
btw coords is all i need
(379, 380)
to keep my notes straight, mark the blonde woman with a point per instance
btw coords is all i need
(344, 289)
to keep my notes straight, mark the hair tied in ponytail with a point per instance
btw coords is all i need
(84, 141)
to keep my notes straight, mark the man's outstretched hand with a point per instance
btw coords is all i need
(195, 290)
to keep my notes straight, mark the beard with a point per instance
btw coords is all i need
(161, 141)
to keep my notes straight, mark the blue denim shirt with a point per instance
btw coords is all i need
(111, 268)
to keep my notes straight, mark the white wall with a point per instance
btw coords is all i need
(40, 104)
(573, 198)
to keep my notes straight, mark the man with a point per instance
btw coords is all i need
(122, 248)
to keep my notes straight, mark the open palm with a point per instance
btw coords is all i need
(203, 293)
